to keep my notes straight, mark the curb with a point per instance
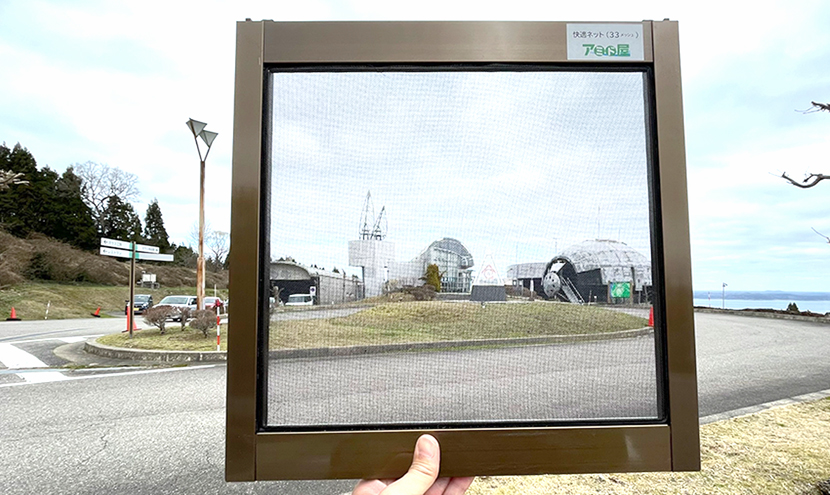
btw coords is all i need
(150, 355)
(356, 350)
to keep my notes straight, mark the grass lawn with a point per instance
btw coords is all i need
(78, 300)
(785, 450)
(405, 322)
(174, 339)
(436, 321)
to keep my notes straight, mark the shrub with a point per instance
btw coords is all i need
(792, 308)
(157, 316)
(204, 320)
(425, 292)
(184, 314)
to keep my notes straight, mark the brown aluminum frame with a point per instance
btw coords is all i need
(252, 454)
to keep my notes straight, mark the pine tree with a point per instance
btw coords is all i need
(120, 221)
(154, 232)
(433, 277)
(48, 203)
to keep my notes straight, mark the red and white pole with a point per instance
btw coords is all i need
(217, 327)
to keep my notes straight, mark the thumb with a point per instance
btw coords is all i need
(424, 469)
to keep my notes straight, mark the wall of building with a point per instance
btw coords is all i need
(374, 256)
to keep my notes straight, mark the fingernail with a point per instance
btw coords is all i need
(426, 448)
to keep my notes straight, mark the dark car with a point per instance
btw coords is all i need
(141, 303)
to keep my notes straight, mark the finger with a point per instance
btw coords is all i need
(457, 486)
(369, 487)
(423, 471)
(438, 487)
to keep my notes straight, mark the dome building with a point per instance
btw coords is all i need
(602, 271)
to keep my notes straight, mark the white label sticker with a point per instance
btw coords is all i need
(605, 42)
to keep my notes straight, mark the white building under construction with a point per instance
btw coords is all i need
(376, 256)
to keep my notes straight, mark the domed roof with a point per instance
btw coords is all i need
(451, 244)
(613, 258)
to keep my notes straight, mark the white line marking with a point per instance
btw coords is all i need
(68, 340)
(14, 358)
(89, 377)
(42, 376)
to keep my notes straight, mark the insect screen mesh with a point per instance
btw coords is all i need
(459, 246)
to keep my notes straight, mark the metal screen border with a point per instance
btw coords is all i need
(254, 455)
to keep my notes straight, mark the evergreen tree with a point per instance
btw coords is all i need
(154, 232)
(184, 256)
(120, 221)
(433, 277)
(48, 203)
(73, 222)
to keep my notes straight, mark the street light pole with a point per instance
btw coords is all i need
(198, 130)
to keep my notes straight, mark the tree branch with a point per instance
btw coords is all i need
(9, 178)
(806, 184)
(819, 233)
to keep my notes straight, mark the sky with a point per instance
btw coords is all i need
(115, 82)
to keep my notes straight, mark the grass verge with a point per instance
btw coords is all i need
(75, 300)
(433, 321)
(404, 322)
(174, 339)
(784, 450)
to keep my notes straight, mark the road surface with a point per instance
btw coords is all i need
(156, 431)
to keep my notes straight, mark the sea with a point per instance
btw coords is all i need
(817, 302)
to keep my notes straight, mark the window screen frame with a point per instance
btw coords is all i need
(670, 444)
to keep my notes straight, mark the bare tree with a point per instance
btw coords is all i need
(9, 178)
(203, 320)
(217, 243)
(811, 179)
(158, 316)
(100, 181)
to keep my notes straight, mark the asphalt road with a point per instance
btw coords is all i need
(161, 430)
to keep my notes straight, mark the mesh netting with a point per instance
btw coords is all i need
(461, 247)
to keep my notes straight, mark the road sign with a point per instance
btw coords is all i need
(115, 244)
(120, 253)
(154, 257)
(128, 245)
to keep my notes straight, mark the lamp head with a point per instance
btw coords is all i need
(195, 127)
(208, 136)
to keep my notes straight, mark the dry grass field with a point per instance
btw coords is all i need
(430, 321)
(780, 451)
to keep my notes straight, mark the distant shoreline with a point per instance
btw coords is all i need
(767, 295)
(768, 313)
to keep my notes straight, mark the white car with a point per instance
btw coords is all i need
(300, 300)
(178, 303)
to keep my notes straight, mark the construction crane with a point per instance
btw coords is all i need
(378, 228)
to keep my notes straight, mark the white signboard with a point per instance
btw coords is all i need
(146, 249)
(118, 253)
(154, 257)
(128, 246)
(115, 244)
(488, 275)
(121, 253)
(605, 42)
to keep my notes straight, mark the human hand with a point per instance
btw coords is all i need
(422, 477)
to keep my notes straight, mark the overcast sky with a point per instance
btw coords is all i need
(115, 82)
